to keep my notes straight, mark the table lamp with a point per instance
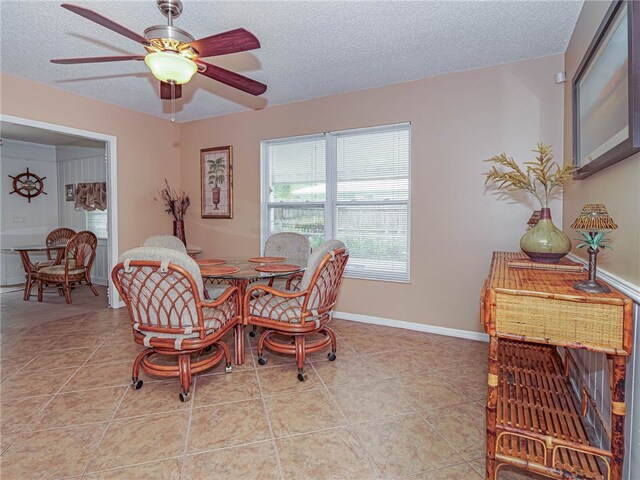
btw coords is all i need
(594, 221)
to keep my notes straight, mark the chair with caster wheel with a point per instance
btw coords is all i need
(163, 292)
(290, 245)
(298, 314)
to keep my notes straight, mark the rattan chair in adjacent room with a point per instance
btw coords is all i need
(296, 314)
(162, 290)
(75, 269)
(55, 238)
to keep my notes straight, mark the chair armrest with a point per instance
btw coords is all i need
(294, 281)
(228, 293)
(265, 289)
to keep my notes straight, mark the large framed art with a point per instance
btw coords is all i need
(216, 166)
(606, 93)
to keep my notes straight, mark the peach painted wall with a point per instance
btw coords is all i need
(148, 148)
(457, 121)
(617, 186)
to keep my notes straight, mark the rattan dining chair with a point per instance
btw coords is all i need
(57, 237)
(287, 244)
(165, 241)
(75, 269)
(300, 313)
(162, 290)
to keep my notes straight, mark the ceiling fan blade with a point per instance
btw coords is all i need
(238, 40)
(232, 79)
(165, 91)
(105, 22)
(69, 61)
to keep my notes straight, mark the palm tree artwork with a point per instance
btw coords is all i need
(216, 176)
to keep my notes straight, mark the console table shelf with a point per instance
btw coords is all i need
(534, 419)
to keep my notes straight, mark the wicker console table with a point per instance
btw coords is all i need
(534, 419)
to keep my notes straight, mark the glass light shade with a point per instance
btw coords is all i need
(170, 67)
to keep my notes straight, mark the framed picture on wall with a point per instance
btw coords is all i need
(606, 104)
(216, 167)
(70, 192)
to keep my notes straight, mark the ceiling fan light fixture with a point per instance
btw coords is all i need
(170, 67)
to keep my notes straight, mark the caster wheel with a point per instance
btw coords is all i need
(252, 333)
(137, 384)
(227, 368)
(183, 396)
(302, 377)
(262, 360)
(331, 356)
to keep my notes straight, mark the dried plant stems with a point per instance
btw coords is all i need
(176, 202)
(540, 179)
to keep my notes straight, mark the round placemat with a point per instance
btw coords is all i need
(211, 261)
(278, 268)
(267, 259)
(218, 270)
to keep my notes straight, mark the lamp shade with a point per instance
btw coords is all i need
(593, 217)
(170, 67)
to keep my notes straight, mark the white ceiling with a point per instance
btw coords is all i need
(309, 48)
(23, 133)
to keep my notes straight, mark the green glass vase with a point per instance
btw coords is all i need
(545, 243)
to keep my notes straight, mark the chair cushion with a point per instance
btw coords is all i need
(165, 241)
(215, 291)
(59, 270)
(277, 308)
(316, 257)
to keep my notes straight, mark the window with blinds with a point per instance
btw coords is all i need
(352, 185)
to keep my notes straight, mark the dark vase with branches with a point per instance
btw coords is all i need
(176, 203)
(541, 178)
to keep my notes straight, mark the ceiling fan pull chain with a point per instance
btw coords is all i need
(173, 101)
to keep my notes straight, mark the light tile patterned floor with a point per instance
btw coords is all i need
(394, 405)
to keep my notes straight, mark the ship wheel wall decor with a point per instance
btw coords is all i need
(28, 185)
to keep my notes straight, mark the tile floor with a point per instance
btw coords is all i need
(395, 404)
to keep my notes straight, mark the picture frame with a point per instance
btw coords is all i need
(606, 102)
(70, 192)
(216, 182)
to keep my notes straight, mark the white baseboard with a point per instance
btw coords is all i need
(418, 327)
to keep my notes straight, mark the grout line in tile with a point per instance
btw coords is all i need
(266, 414)
(104, 434)
(188, 432)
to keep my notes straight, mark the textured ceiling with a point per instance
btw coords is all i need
(309, 48)
(23, 133)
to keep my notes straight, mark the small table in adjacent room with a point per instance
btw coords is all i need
(534, 419)
(30, 267)
(241, 271)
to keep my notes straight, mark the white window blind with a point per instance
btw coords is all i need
(97, 222)
(351, 185)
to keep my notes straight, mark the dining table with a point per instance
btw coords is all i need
(31, 267)
(241, 272)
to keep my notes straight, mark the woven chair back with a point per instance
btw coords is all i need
(160, 296)
(59, 236)
(325, 283)
(287, 244)
(82, 249)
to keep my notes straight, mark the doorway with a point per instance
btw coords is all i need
(80, 156)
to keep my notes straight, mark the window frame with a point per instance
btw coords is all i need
(331, 202)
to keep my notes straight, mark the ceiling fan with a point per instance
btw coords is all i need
(173, 55)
